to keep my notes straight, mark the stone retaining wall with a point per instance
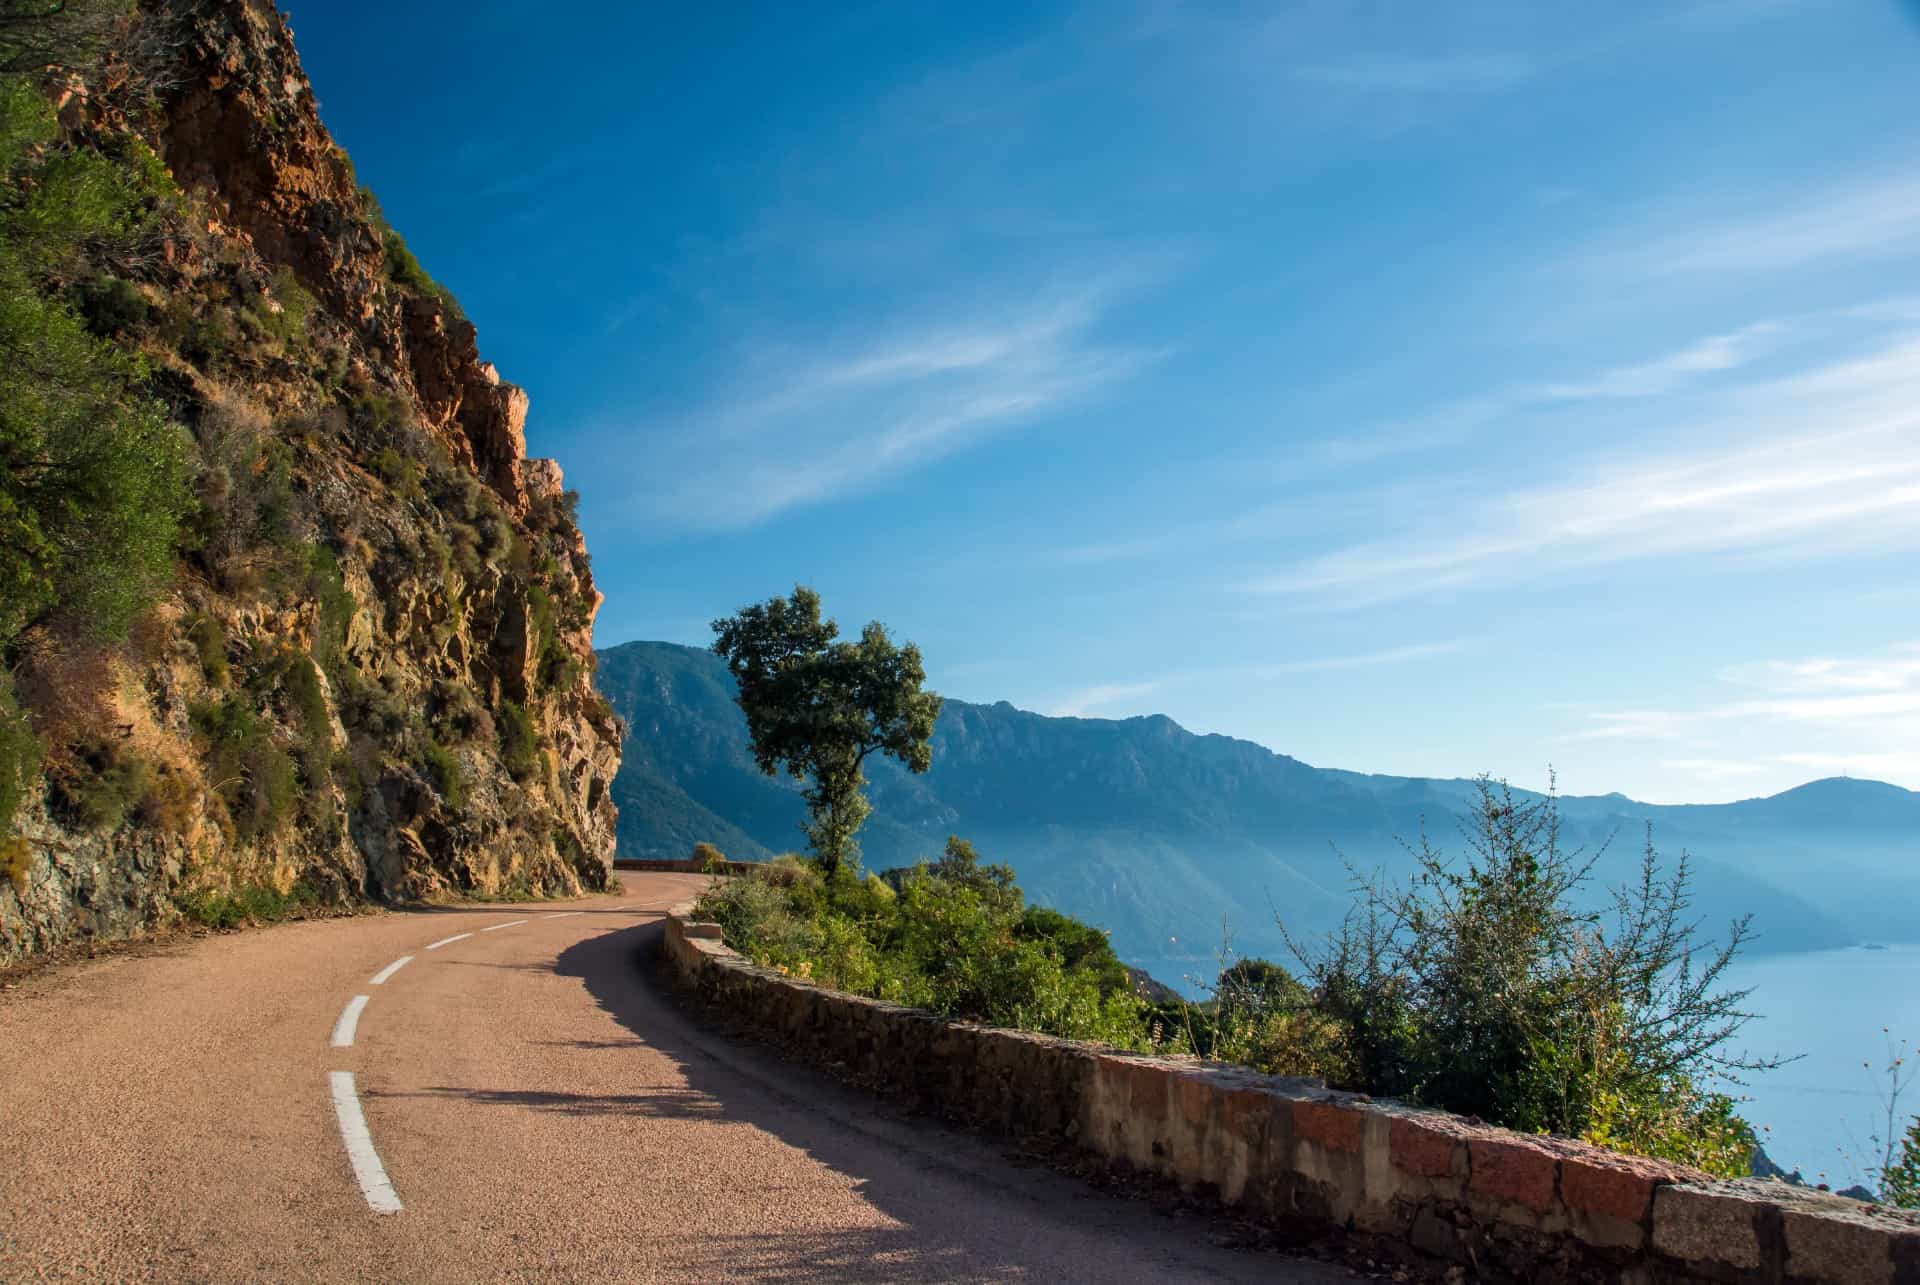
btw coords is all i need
(1294, 1154)
(683, 865)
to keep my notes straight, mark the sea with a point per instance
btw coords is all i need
(1842, 1015)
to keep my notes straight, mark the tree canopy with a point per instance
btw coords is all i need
(818, 707)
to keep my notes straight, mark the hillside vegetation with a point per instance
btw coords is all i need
(288, 620)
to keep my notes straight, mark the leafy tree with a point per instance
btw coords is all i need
(819, 707)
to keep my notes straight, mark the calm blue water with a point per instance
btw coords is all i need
(1829, 1006)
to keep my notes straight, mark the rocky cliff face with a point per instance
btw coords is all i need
(371, 675)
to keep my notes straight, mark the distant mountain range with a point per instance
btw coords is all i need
(1157, 834)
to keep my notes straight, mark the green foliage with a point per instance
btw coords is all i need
(443, 768)
(335, 607)
(110, 306)
(399, 472)
(91, 472)
(950, 936)
(16, 863)
(20, 756)
(708, 859)
(403, 269)
(209, 639)
(277, 318)
(37, 34)
(255, 778)
(519, 742)
(248, 904)
(1477, 986)
(555, 665)
(1900, 1182)
(100, 787)
(818, 708)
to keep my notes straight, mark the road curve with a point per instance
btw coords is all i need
(538, 1111)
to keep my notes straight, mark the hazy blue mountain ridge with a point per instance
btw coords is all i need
(1156, 833)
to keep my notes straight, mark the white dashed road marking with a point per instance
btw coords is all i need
(349, 1019)
(391, 969)
(511, 923)
(367, 1169)
(568, 915)
(448, 941)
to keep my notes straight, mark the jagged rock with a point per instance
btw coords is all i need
(404, 789)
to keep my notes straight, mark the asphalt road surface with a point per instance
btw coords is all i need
(516, 1102)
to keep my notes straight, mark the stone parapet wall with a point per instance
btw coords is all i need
(1297, 1155)
(683, 865)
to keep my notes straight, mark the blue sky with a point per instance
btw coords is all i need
(1424, 389)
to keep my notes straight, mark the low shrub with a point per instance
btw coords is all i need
(98, 786)
(443, 769)
(170, 802)
(16, 862)
(951, 936)
(20, 756)
(256, 779)
(110, 305)
(209, 639)
(399, 472)
(248, 904)
(1900, 1180)
(519, 742)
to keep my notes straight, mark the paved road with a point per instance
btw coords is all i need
(538, 1111)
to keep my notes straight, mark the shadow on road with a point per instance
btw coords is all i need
(966, 1209)
(661, 1104)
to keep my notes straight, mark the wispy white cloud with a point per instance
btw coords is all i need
(1421, 73)
(1823, 460)
(1362, 660)
(837, 420)
(1461, 422)
(1867, 218)
(1079, 702)
(1663, 374)
(1714, 769)
(1858, 715)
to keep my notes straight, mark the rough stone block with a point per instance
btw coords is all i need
(1427, 1145)
(1149, 1090)
(1832, 1239)
(1707, 1224)
(1512, 1170)
(1325, 1124)
(1616, 1186)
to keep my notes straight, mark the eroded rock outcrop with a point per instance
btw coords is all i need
(371, 678)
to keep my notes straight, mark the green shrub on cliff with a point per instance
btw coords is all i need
(19, 755)
(403, 268)
(91, 471)
(951, 936)
(519, 740)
